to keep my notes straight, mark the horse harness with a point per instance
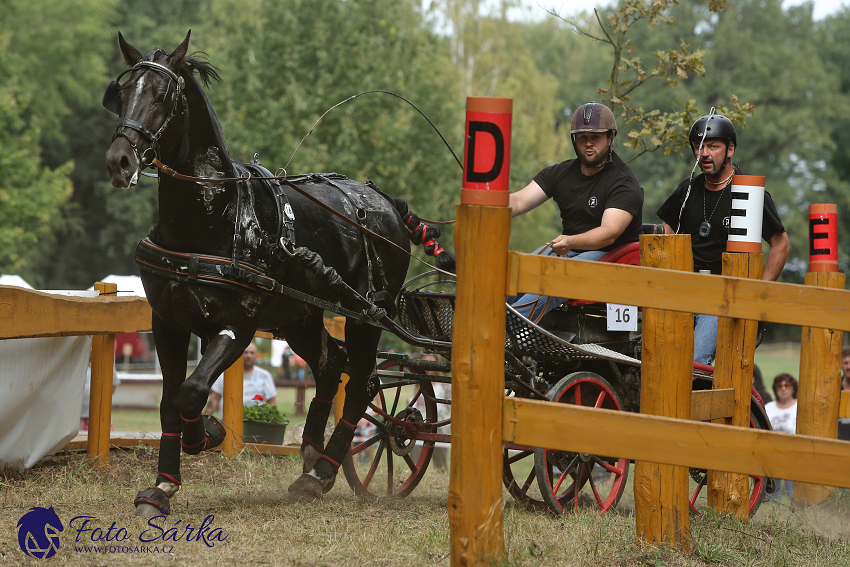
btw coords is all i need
(235, 273)
(174, 93)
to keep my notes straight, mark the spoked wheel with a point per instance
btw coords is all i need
(699, 477)
(519, 476)
(568, 480)
(388, 460)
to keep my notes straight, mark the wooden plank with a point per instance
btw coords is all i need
(264, 449)
(80, 444)
(712, 404)
(728, 492)
(661, 490)
(844, 407)
(687, 443)
(818, 397)
(26, 313)
(774, 302)
(475, 491)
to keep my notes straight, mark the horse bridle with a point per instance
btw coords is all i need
(173, 94)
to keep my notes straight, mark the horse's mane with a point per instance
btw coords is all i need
(198, 62)
(198, 66)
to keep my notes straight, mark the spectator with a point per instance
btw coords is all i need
(256, 381)
(284, 371)
(783, 418)
(758, 384)
(844, 422)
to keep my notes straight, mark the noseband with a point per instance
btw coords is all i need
(173, 94)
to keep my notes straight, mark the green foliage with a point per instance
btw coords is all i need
(653, 129)
(30, 193)
(262, 411)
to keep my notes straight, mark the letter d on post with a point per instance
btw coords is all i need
(487, 151)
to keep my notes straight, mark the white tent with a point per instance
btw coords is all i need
(16, 281)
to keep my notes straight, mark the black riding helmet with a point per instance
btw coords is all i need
(713, 126)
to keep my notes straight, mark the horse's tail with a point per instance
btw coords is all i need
(425, 235)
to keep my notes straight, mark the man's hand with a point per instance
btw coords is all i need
(561, 245)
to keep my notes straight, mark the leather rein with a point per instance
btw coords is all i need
(172, 173)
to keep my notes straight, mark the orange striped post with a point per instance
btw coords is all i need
(818, 396)
(482, 236)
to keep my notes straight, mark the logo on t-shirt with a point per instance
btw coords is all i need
(726, 222)
(592, 203)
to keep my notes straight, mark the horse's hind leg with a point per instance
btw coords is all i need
(326, 359)
(360, 347)
(171, 346)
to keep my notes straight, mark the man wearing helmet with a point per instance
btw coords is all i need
(598, 196)
(702, 207)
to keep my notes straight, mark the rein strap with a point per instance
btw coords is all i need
(172, 173)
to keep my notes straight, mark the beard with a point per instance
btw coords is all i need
(599, 160)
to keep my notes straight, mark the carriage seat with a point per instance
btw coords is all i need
(628, 254)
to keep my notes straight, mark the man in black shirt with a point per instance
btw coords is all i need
(702, 207)
(599, 198)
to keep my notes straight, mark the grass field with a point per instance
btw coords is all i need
(246, 499)
(778, 358)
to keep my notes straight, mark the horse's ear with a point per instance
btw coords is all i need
(131, 54)
(175, 60)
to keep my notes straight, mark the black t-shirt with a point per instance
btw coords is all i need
(708, 252)
(583, 199)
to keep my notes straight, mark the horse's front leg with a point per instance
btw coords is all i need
(202, 432)
(172, 344)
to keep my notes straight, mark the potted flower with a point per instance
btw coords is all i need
(263, 423)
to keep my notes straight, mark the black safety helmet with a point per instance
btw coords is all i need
(714, 126)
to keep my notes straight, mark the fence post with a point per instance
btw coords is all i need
(231, 408)
(336, 329)
(478, 385)
(818, 396)
(100, 398)
(729, 493)
(661, 491)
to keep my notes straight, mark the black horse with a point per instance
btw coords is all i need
(218, 258)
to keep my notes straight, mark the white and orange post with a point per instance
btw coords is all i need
(482, 236)
(729, 493)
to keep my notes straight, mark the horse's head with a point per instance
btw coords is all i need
(151, 106)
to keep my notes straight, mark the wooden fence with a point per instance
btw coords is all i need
(487, 272)
(33, 314)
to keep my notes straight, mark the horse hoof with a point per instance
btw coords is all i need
(306, 487)
(147, 510)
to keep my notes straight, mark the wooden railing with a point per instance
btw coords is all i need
(475, 510)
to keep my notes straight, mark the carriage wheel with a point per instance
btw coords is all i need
(698, 479)
(518, 475)
(387, 461)
(568, 480)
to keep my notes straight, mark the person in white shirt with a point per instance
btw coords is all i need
(783, 417)
(256, 382)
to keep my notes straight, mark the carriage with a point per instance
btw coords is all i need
(570, 356)
(236, 249)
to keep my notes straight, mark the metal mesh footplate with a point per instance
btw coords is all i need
(430, 315)
(524, 338)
